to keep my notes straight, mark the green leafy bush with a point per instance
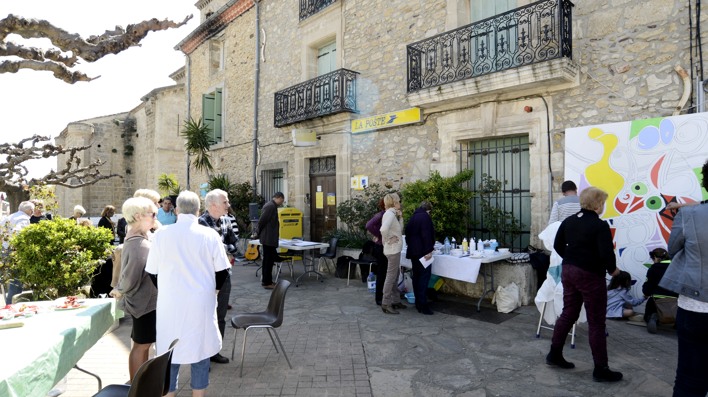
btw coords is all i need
(55, 258)
(450, 200)
(355, 212)
(168, 185)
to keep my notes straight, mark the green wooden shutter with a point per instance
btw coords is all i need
(208, 113)
(326, 58)
(482, 9)
(217, 114)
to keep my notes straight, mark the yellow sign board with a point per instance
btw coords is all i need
(304, 137)
(387, 120)
(319, 200)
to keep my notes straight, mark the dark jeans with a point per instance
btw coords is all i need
(581, 286)
(222, 304)
(381, 268)
(691, 379)
(269, 256)
(421, 278)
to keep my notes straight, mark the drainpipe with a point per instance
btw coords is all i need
(255, 94)
(189, 106)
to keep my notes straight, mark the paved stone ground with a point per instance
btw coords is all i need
(341, 344)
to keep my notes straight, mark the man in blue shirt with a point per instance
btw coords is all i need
(166, 214)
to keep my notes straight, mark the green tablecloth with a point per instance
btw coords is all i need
(33, 358)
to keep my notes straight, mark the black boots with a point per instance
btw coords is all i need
(555, 358)
(605, 374)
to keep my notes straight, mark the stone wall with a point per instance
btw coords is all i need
(627, 51)
(234, 155)
(138, 145)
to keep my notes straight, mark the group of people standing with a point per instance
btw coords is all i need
(175, 281)
(386, 228)
(585, 243)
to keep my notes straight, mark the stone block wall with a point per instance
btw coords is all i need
(234, 155)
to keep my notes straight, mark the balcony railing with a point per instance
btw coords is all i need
(309, 8)
(331, 93)
(535, 33)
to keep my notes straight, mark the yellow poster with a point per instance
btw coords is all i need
(387, 120)
(319, 200)
(331, 199)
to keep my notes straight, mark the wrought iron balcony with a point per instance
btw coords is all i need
(331, 93)
(309, 8)
(535, 33)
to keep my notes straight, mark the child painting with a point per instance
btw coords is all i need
(620, 302)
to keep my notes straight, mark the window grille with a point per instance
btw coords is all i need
(272, 182)
(506, 160)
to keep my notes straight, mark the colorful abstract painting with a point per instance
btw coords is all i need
(643, 165)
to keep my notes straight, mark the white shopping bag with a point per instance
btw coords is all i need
(507, 298)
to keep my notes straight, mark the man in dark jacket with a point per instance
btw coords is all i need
(268, 231)
(420, 239)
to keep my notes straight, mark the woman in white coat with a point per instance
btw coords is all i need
(391, 235)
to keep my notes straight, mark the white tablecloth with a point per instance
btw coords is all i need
(448, 266)
(37, 356)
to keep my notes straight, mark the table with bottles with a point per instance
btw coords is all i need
(465, 268)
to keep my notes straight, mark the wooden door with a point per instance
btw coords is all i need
(323, 197)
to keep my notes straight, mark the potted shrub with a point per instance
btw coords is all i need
(58, 257)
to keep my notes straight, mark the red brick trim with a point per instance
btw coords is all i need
(214, 25)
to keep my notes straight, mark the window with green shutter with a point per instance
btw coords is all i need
(327, 58)
(482, 9)
(211, 114)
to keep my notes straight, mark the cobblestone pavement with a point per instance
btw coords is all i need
(341, 344)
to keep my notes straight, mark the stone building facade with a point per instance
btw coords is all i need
(615, 62)
(619, 66)
(139, 145)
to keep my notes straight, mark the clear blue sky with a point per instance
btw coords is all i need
(37, 103)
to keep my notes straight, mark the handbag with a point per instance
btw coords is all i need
(666, 309)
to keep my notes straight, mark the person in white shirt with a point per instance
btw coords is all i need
(16, 222)
(190, 264)
(566, 206)
(21, 218)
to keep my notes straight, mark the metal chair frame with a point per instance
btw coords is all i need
(270, 319)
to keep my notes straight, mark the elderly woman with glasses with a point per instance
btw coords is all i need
(138, 292)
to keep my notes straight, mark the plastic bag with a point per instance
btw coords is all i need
(507, 298)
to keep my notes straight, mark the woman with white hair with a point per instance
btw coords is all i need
(79, 211)
(152, 196)
(137, 290)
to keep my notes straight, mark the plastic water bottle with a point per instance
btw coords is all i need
(465, 245)
(371, 282)
(480, 245)
(473, 245)
(447, 246)
(453, 243)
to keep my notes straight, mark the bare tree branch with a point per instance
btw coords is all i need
(73, 175)
(60, 71)
(91, 49)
